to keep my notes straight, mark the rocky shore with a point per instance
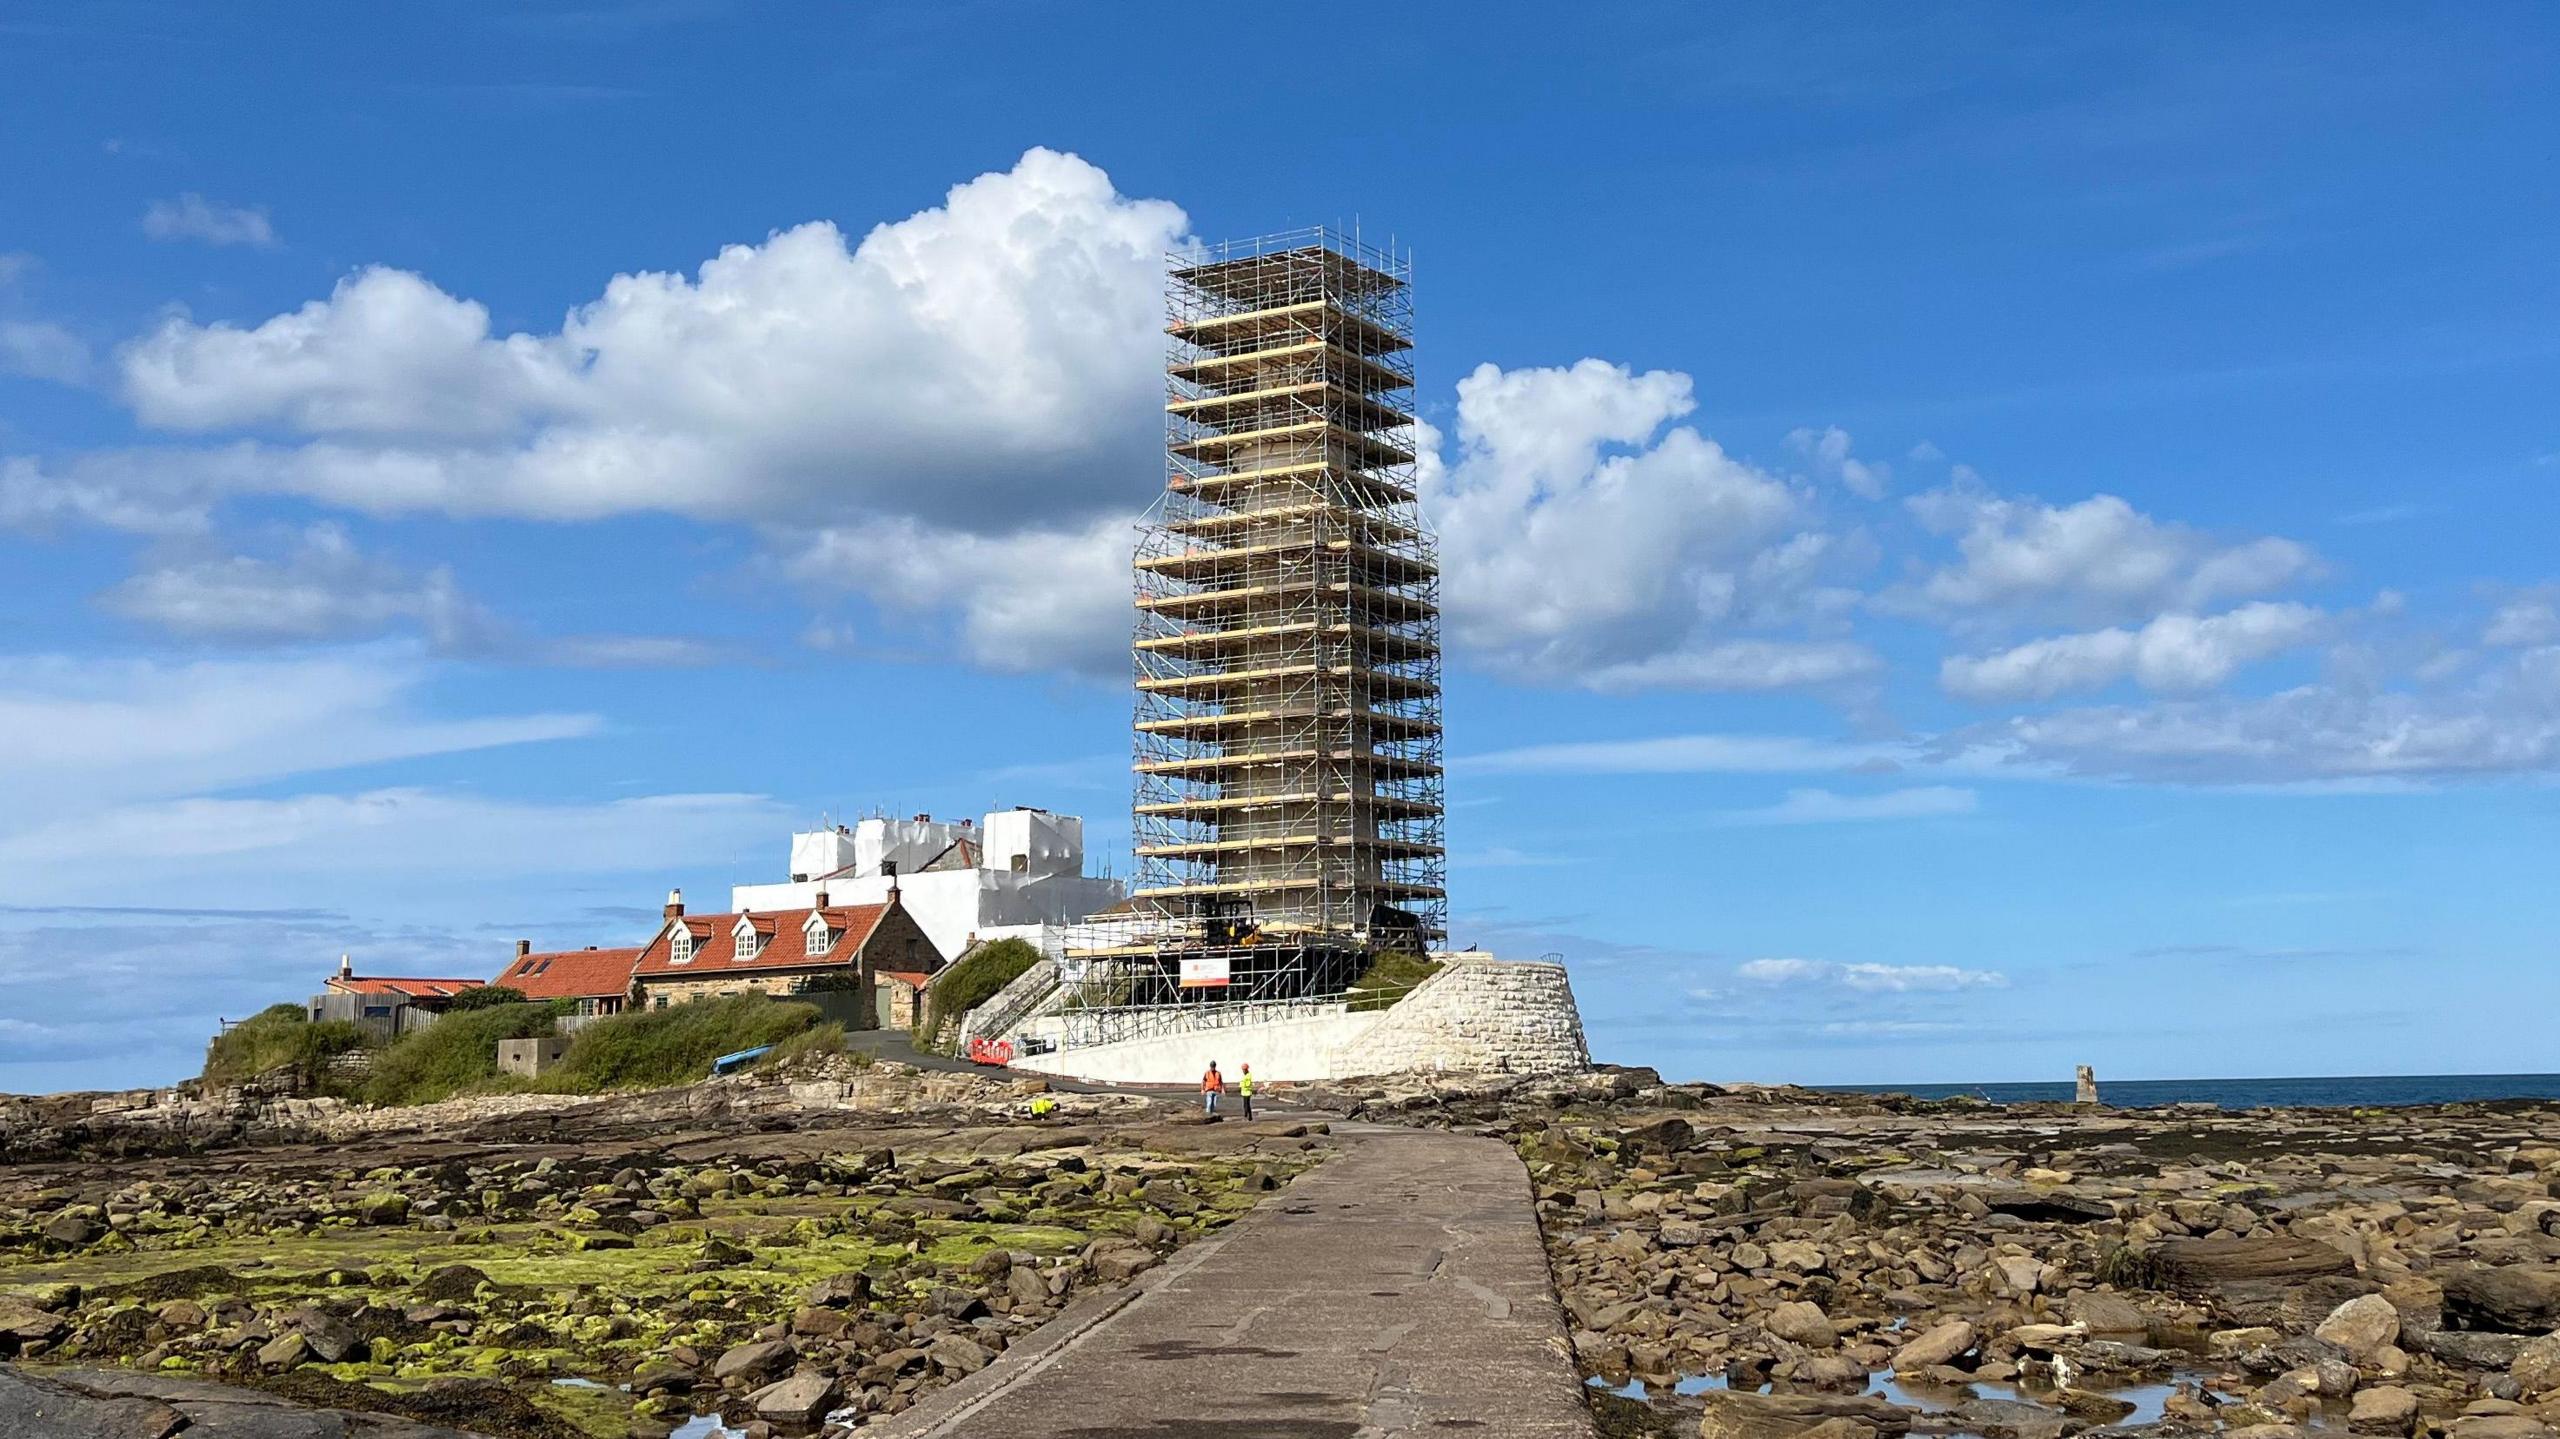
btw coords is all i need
(1755, 1264)
(772, 1252)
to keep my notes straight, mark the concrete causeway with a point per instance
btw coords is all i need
(1397, 1289)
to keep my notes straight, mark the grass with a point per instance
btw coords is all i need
(644, 1048)
(971, 982)
(1391, 975)
(457, 1054)
(279, 1035)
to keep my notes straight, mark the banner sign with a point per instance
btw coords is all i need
(1204, 973)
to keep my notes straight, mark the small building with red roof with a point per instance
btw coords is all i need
(599, 980)
(784, 952)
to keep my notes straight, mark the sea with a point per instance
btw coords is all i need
(2336, 1091)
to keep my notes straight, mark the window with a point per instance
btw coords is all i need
(679, 951)
(662, 1001)
(820, 938)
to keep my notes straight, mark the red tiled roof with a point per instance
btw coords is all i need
(715, 948)
(413, 988)
(572, 974)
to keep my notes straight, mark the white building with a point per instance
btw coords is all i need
(1018, 874)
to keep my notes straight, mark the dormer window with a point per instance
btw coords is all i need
(680, 946)
(749, 942)
(818, 937)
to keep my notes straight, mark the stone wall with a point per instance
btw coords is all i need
(1476, 1014)
(1482, 1014)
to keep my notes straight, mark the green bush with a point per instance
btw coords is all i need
(455, 1055)
(1391, 975)
(487, 996)
(971, 981)
(644, 1048)
(818, 1039)
(280, 1034)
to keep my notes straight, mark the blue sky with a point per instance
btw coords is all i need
(1979, 539)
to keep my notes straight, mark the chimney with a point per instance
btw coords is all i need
(821, 900)
(346, 968)
(523, 948)
(675, 905)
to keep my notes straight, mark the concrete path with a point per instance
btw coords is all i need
(1397, 1289)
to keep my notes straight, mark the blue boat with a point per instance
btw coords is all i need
(740, 1060)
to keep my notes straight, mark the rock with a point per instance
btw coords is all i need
(2499, 1426)
(2011, 1419)
(1113, 1263)
(2361, 1326)
(841, 1291)
(1939, 1344)
(2471, 1351)
(2045, 1338)
(2384, 1409)
(2102, 1313)
(1801, 1321)
(2536, 1368)
(285, 1351)
(2047, 1208)
(39, 1407)
(801, 1399)
(1736, 1414)
(753, 1361)
(2511, 1299)
(331, 1338)
(1681, 1234)
(1832, 1371)
(2190, 1265)
(22, 1324)
(1798, 1255)
(2018, 1273)
(961, 1356)
(1024, 1286)
(72, 1229)
(2099, 1409)
(385, 1208)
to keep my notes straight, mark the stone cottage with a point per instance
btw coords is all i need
(783, 952)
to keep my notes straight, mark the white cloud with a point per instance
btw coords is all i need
(2525, 620)
(1827, 451)
(1869, 978)
(1688, 754)
(1582, 542)
(193, 217)
(79, 734)
(1822, 806)
(2175, 652)
(202, 846)
(323, 589)
(1036, 600)
(981, 366)
(2504, 720)
(2098, 559)
(35, 350)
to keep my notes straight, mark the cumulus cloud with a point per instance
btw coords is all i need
(1585, 539)
(1036, 600)
(2097, 559)
(1827, 452)
(2175, 652)
(193, 217)
(1869, 978)
(977, 366)
(37, 350)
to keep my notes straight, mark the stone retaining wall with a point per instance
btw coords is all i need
(1478, 1014)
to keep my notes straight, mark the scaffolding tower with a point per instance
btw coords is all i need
(1288, 801)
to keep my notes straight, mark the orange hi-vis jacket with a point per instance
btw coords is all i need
(1213, 1082)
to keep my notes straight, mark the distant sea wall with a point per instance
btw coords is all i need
(1477, 1014)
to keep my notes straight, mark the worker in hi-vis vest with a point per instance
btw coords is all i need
(1212, 1085)
(1244, 1091)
